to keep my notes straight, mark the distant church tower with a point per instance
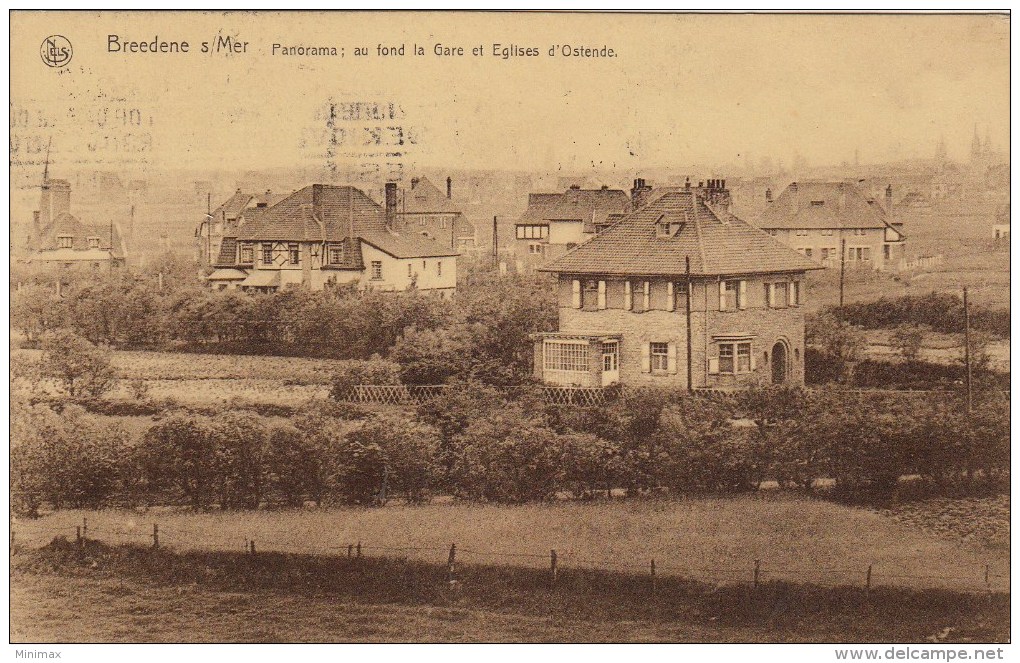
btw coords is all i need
(975, 146)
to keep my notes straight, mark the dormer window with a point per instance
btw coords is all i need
(64, 241)
(667, 228)
(93, 242)
(817, 203)
(336, 254)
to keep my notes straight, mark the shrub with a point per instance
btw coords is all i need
(179, 453)
(410, 453)
(295, 465)
(508, 457)
(906, 340)
(240, 440)
(356, 372)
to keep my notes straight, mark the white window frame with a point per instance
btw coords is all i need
(247, 254)
(294, 253)
(737, 349)
(267, 251)
(376, 267)
(658, 352)
(65, 241)
(335, 253)
(93, 242)
(565, 359)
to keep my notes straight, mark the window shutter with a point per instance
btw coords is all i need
(576, 293)
(646, 300)
(772, 295)
(646, 357)
(742, 298)
(752, 360)
(671, 357)
(713, 365)
(628, 296)
(602, 294)
(722, 295)
(670, 297)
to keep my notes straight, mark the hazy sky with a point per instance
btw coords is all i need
(683, 89)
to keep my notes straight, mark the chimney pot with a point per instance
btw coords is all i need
(768, 195)
(449, 187)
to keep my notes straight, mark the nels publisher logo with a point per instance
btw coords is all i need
(56, 51)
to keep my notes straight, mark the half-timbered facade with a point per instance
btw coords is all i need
(322, 236)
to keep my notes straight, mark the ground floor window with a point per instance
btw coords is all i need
(735, 357)
(660, 356)
(566, 356)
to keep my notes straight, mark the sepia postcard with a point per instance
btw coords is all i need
(510, 327)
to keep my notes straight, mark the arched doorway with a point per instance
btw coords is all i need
(780, 363)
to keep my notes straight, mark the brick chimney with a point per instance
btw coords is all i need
(794, 197)
(888, 200)
(449, 187)
(768, 195)
(639, 193)
(391, 205)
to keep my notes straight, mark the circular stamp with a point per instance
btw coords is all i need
(56, 51)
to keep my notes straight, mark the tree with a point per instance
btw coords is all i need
(83, 369)
(840, 342)
(35, 309)
(294, 463)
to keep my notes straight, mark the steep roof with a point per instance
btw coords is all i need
(817, 204)
(318, 212)
(717, 243)
(426, 198)
(406, 246)
(66, 224)
(234, 205)
(590, 206)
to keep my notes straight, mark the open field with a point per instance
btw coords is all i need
(797, 539)
(95, 593)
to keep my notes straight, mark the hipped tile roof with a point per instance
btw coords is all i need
(717, 242)
(590, 206)
(817, 204)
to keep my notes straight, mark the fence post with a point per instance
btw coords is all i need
(359, 549)
(552, 561)
(451, 563)
(350, 550)
(868, 581)
(251, 547)
(653, 576)
(155, 536)
(77, 534)
(84, 527)
(757, 572)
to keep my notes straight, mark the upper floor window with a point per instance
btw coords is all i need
(376, 270)
(827, 232)
(267, 254)
(410, 270)
(535, 248)
(64, 241)
(817, 203)
(442, 222)
(93, 242)
(802, 232)
(247, 254)
(439, 268)
(336, 254)
(294, 253)
(533, 231)
(772, 231)
(732, 295)
(860, 232)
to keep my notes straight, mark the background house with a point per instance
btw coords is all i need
(224, 220)
(814, 217)
(427, 211)
(630, 312)
(554, 223)
(324, 235)
(60, 239)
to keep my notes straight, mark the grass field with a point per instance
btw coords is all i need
(96, 593)
(797, 539)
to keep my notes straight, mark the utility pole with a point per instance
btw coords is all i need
(966, 351)
(842, 274)
(690, 342)
(208, 227)
(495, 243)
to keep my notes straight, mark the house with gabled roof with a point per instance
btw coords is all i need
(679, 293)
(816, 217)
(425, 210)
(554, 223)
(323, 236)
(223, 221)
(60, 239)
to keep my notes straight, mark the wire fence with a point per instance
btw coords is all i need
(753, 572)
